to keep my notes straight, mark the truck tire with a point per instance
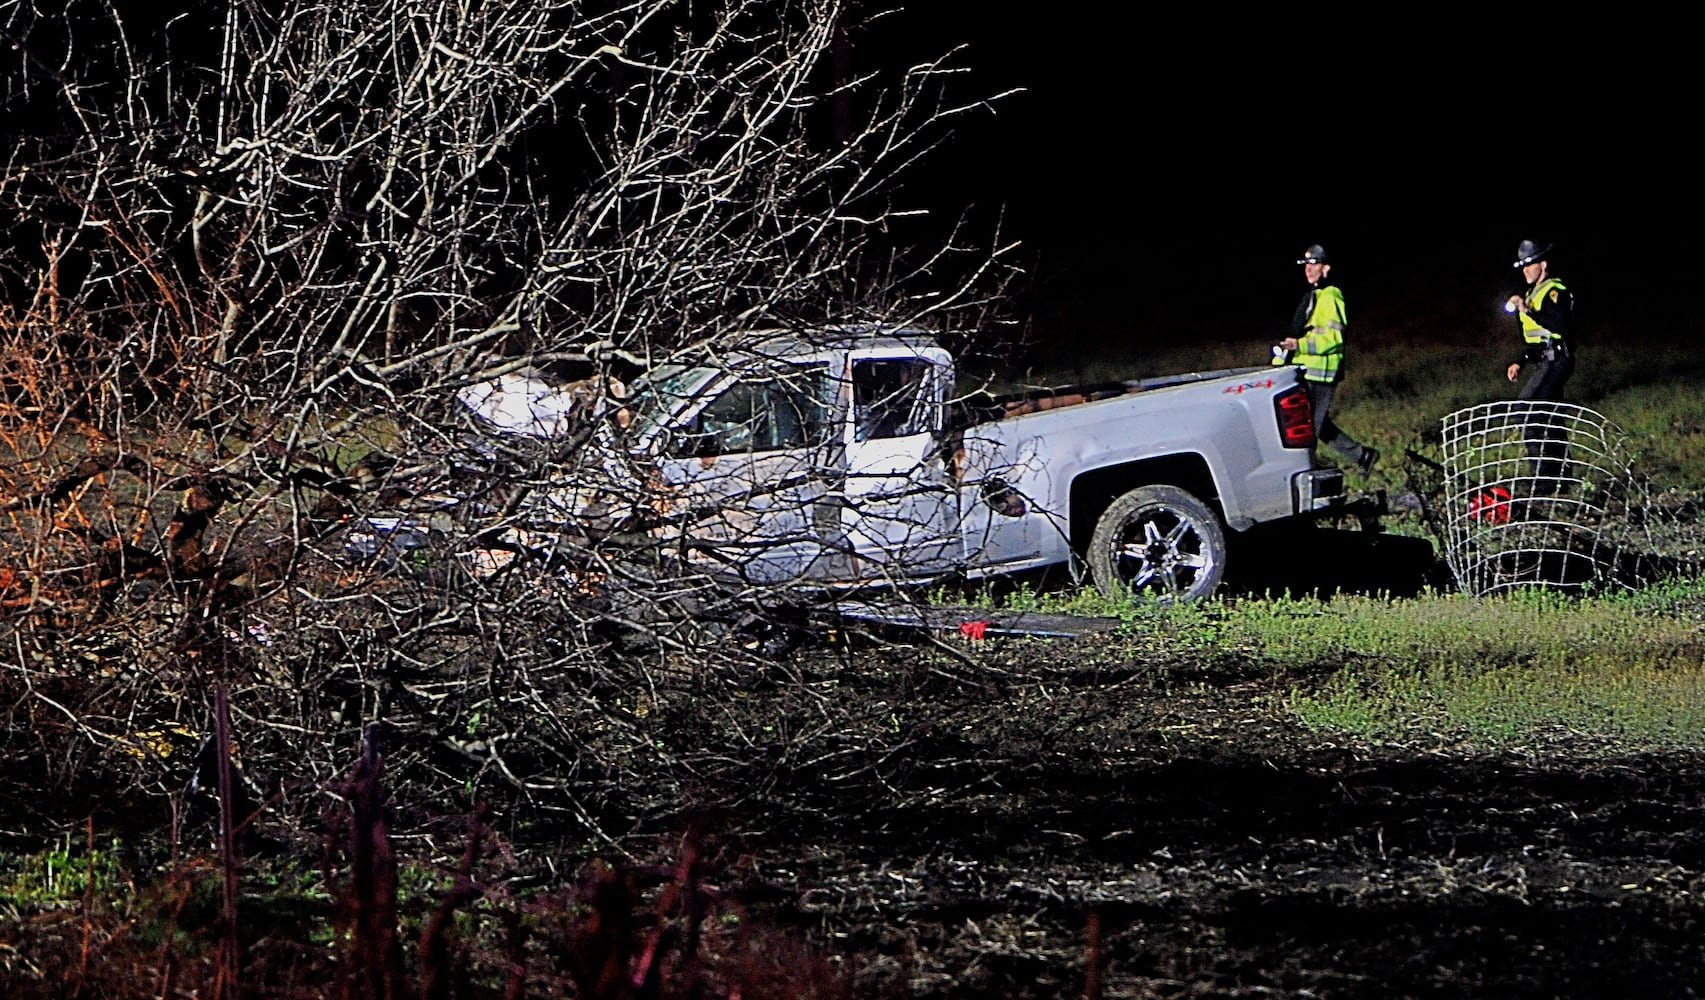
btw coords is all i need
(1158, 542)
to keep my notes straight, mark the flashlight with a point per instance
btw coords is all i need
(1510, 305)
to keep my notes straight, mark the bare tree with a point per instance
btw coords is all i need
(255, 251)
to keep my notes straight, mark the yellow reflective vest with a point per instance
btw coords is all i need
(1320, 346)
(1531, 331)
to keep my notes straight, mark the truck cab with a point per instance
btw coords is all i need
(809, 461)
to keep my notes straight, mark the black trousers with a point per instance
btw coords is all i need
(1549, 374)
(1326, 431)
(1547, 438)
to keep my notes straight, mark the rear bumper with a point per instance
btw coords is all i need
(1317, 490)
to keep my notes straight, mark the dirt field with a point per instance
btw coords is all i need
(1059, 821)
(1193, 843)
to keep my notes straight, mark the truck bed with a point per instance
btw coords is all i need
(983, 407)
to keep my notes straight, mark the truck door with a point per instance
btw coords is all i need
(750, 466)
(900, 511)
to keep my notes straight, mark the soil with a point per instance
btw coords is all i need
(1059, 822)
(1110, 838)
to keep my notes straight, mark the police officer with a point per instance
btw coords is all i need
(1317, 344)
(1544, 311)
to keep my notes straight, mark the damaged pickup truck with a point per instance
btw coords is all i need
(849, 460)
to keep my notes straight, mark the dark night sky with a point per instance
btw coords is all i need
(1167, 172)
(1165, 164)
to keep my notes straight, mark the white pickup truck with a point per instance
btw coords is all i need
(847, 459)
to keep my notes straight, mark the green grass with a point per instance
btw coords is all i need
(61, 875)
(1496, 670)
(1627, 668)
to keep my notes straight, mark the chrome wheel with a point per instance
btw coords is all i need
(1159, 542)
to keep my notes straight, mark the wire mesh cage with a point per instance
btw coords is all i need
(1542, 494)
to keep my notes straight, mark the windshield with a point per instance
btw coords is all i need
(776, 409)
(657, 395)
(768, 408)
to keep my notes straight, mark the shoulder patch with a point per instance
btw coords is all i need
(1554, 295)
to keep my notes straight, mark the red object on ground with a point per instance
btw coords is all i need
(973, 630)
(1491, 505)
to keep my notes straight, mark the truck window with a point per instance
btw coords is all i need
(771, 412)
(890, 398)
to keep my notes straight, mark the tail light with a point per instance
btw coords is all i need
(1296, 417)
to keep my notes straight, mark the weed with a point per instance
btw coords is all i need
(1623, 665)
(1507, 669)
(62, 875)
